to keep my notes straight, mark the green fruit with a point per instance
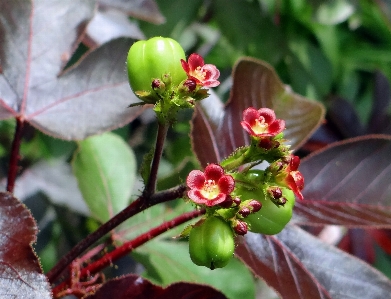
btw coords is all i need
(270, 219)
(211, 243)
(150, 59)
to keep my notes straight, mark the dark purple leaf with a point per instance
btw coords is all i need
(143, 9)
(37, 39)
(348, 183)
(216, 131)
(298, 265)
(21, 275)
(136, 287)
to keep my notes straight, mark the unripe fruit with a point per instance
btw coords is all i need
(270, 219)
(211, 243)
(150, 59)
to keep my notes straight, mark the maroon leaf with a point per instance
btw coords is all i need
(37, 39)
(216, 130)
(348, 183)
(298, 265)
(145, 9)
(136, 287)
(21, 275)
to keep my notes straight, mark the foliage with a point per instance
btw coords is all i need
(62, 75)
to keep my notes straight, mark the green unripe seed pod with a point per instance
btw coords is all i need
(271, 218)
(211, 243)
(150, 59)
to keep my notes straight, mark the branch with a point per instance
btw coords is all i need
(129, 246)
(142, 203)
(160, 138)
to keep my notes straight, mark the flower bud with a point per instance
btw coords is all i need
(240, 227)
(275, 192)
(245, 211)
(254, 205)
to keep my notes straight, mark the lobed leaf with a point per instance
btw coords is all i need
(298, 265)
(21, 274)
(216, 131)
(37, 40)
(105, 168)
(348, 183)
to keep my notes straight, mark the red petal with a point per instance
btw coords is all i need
(277, 126)
(185, 66)
(247, 127)
(267, 114)
(196, 196)
(226, 184)
(250, 115)
(294, 163)
(195, 61)
(218, 199)
(195, 179)
(213, 172)
(292, 185)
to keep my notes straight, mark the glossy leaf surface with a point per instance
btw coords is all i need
(349, 184)
(216, 131)
(297, 265)
(37, 40)
(21, 275)
(105, 168)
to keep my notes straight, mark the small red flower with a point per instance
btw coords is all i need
(262, 122)
(203, 74)
(210, 187)
(291, 177)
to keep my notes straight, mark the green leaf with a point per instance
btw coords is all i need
(167, 262)
(105, 168)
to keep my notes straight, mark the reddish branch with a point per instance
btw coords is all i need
(161, 137)
(142, 203)
(126, 248)
(14, 158)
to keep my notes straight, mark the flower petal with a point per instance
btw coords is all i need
(195, 61)
(217, 200)
(196, 196)
(267, 114)
(226, 184)
(213, 172)
(195, 179)
(277, 126)
(250, 115)
(185, 66)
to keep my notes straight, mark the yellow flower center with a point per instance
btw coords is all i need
(210, 190)
(260, 126)
(199, 74)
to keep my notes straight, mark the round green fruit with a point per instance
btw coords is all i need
(211, 243)
(270, 219)
(150, 59)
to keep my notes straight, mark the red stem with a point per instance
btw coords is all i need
(142, 203)
(128, 247)
(160, 138)
(14, 158)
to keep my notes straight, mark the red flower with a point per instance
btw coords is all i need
(210, 187)
(203, 74)
(262, 122)
(291, 177)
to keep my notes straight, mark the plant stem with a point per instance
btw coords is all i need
(129, 246)
(150, 189)
(14, 158)
(142, 203)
